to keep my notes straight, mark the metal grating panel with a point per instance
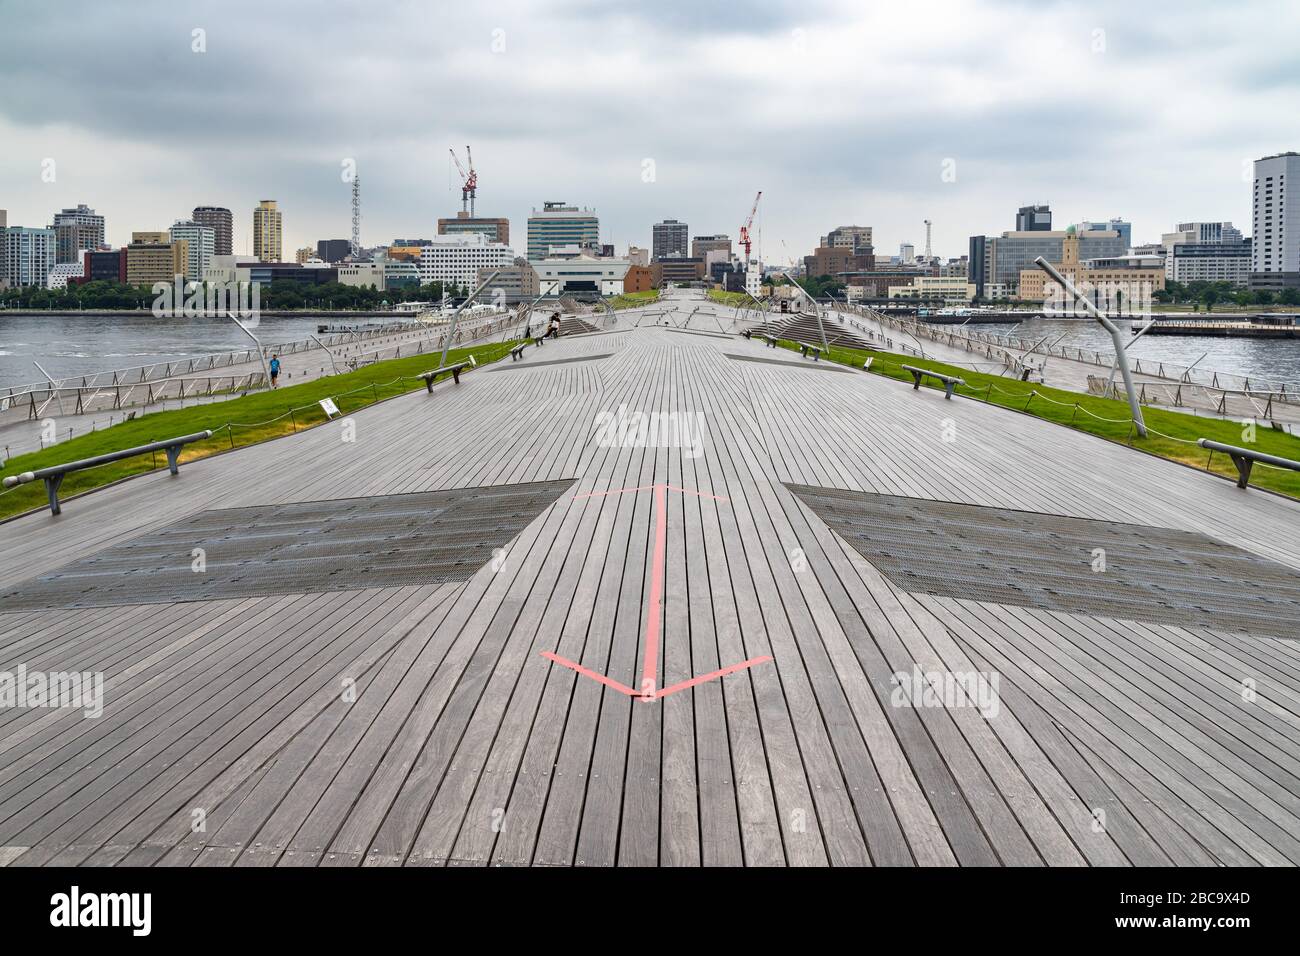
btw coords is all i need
(430, 537)
(521, 366)
(820, 366)
(1046, 561)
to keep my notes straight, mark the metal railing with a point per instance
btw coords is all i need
(54, 474)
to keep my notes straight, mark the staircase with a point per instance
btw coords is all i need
(803, 328)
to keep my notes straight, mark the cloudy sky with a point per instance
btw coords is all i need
(865, 112)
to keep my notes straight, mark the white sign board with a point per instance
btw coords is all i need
(330, 408)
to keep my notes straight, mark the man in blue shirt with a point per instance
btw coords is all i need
(275, 369)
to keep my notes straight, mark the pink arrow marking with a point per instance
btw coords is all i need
(654, 609)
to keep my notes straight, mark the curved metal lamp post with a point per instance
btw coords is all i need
(1121, 357)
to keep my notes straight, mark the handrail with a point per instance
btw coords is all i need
(1245, 458)
(53, 475)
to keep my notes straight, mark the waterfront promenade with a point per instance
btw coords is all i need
(431, 644)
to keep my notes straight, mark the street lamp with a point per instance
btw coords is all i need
(1116, 337)
(266, 369)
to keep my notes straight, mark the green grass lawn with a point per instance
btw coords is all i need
(236, 422)
(735, 299)
(632, 300)
(1104, 417)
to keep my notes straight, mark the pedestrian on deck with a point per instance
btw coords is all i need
(275, 369)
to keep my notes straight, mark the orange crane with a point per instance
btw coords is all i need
(744, 230)
(469, 180)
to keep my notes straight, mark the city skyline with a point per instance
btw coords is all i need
(889, 138)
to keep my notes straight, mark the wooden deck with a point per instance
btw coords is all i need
(1116, 742)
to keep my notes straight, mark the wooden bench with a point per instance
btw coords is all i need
(805, 348)
(949, 382)
(455, 370)
(1244, 459)
(517, 352)
(53, 475)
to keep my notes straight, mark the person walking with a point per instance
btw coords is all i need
(275, 370)
(554, 331)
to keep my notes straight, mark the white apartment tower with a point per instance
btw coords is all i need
(1275, 222)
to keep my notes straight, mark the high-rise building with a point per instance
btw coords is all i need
(75, 231)
(201, 242)
(906, 253)
(29, 255)
(669, 239)
(701, 246)
(1034, 219)
(4, 263)
(268, 233)
(497, 230)
(556, 224)
(219, 220)
(638, 256)
(1275, 222)
(457, 259)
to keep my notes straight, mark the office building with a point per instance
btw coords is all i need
(906, 253)
(638, 278)
(835, 260)
(514, 283)
(456, 259)
(104, 266)
(497, 230)
(333, 250)
(677, 269)
(201, 241)
(953, 290)
(152, 257)
(855, 238)
(669, 238)
(1003, 259)
(75, 231)
(638, 256)
(556, 224)
(4, 275)
(29, 255)
(382, 276)
(1209, 262)
(584, 273)
(219, 220)
(1134, 278)
(1202, 232)
(268, 231)
(1121, 226)
(701, 246)
(1034, 219)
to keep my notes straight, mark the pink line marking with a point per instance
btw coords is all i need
(587, 672)
(704, 678)
(654, 611)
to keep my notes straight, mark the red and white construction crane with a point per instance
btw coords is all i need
(469, 180)
(744, 230)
